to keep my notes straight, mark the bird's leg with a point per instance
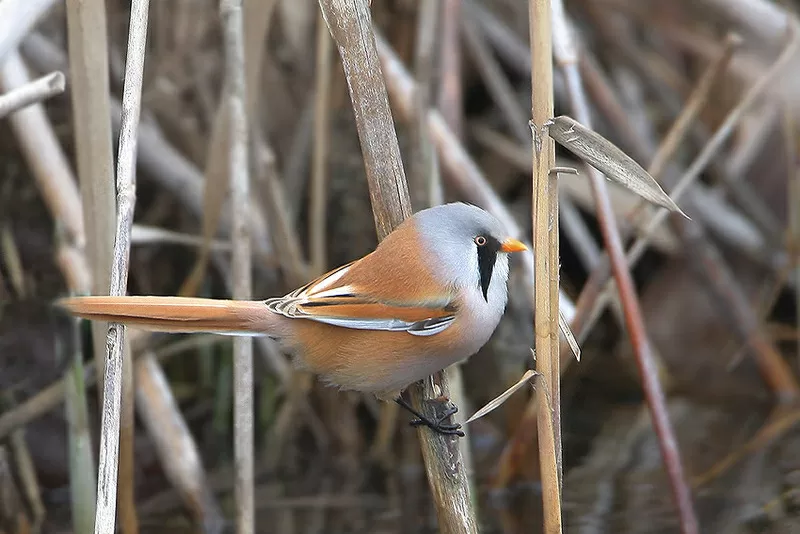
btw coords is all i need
(438, 424)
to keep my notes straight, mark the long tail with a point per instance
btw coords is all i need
(178, 314)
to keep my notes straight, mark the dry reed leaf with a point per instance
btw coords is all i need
(607, 158)
(568, 335)
(500, 399)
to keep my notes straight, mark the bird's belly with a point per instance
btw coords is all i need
(381, 362)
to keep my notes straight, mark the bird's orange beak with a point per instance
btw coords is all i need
(512, 245)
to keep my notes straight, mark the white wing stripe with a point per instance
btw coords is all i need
(430, 327)
(335, 292)
(364, 324)
(328, 281)
(427, 327)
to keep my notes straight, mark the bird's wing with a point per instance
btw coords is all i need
(357, 295)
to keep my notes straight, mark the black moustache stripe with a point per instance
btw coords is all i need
(487, 256)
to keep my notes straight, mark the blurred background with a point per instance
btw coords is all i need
(719, 295)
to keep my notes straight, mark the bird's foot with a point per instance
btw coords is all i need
(438, 424)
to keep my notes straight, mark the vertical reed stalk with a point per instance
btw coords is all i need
(350, 24)
(117, 375)
(545, 245)
(233, 25)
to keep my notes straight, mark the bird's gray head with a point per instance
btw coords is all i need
(470, 248)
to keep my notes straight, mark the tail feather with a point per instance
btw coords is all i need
(178, 314)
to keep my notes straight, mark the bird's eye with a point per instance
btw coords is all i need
(480, 240)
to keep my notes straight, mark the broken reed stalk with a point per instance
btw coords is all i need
(126, 199)
(157, 158)
(350, 25)
(39, 89)
(656, 401)
(546, 263)
(42, 152)
(233, 27)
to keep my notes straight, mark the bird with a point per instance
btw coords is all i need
(430, 295)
